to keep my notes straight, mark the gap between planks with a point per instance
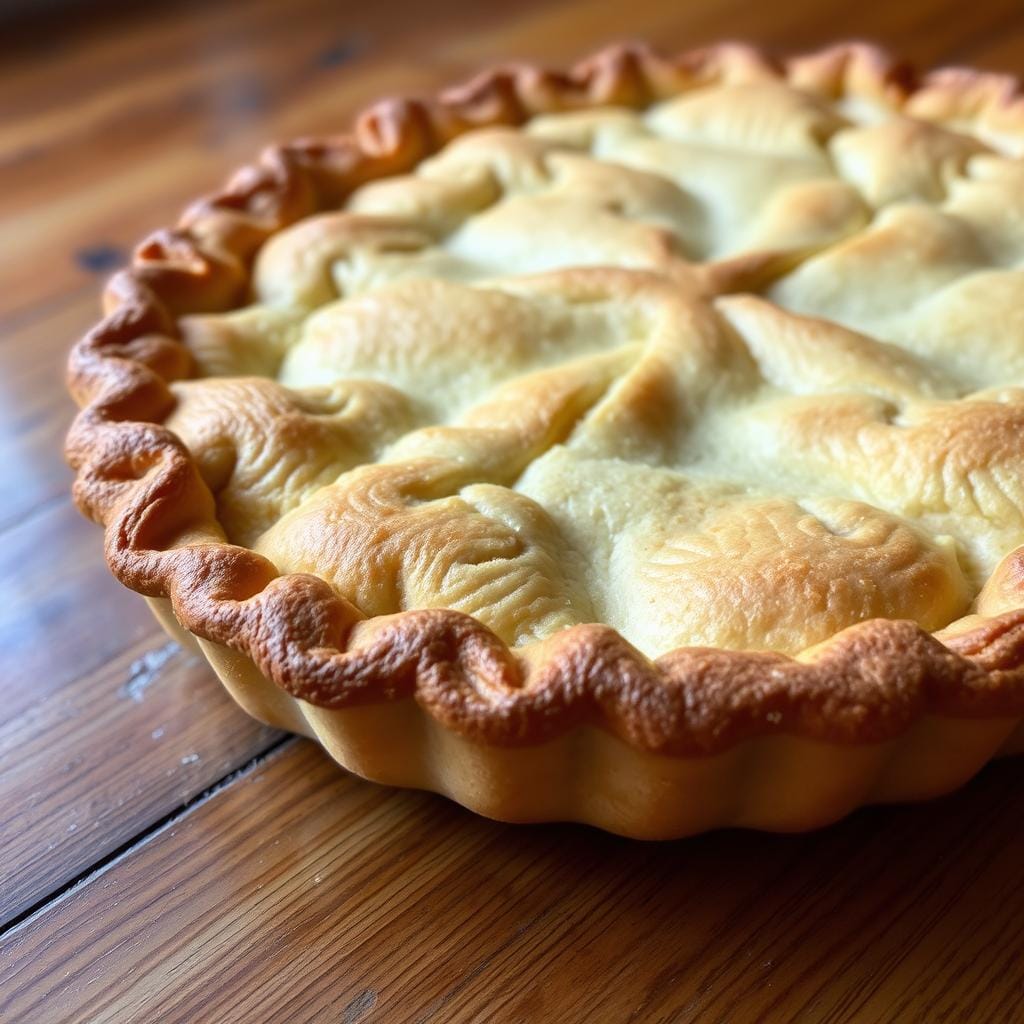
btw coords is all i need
(46, 903)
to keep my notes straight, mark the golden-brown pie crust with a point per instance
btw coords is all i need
(866, 684)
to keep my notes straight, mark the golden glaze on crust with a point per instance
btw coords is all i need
(167, 537)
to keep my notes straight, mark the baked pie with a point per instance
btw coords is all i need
(639, 446)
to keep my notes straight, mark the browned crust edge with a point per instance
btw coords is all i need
(867, 684)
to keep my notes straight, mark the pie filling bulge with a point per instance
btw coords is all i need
(739, 371)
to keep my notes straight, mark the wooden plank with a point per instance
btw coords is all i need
(300, 893)
(61, 614)
(36, 411)
(89, 769)
(104, 727)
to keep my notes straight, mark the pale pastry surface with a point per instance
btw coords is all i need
(739, 370)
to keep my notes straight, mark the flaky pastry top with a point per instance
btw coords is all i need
(684, 396)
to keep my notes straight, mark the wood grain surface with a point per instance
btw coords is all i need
(163, 857)
(299, 893)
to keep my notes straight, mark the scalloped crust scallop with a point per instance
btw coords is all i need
(636, 465)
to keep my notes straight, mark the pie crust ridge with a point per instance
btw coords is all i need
(866, 684)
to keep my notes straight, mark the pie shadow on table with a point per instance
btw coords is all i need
(888, 899)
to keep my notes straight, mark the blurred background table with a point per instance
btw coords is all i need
(164, 858)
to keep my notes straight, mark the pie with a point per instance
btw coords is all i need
(639, 446)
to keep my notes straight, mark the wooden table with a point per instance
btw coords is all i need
(164, 858)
